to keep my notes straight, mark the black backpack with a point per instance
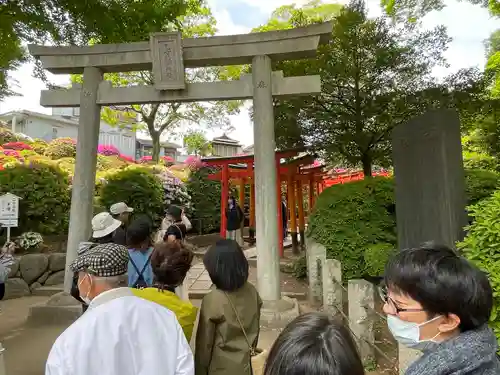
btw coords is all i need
(141, 283)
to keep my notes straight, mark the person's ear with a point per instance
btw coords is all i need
(449, 323)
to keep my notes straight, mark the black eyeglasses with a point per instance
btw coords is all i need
(388, 300)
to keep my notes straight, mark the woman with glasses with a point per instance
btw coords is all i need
(438, 302)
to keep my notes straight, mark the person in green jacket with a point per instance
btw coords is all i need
(229, 316)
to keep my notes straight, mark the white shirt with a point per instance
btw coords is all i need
(121, 334)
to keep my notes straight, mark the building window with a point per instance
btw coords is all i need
(54, 133)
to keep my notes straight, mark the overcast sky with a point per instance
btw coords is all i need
(467, 24)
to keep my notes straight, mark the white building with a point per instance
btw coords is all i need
(64, 123)
(225, 146)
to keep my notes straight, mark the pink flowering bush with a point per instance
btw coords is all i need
(194, 162)
(126, 158)
(108, 150)
(19, 146)
(146, 159)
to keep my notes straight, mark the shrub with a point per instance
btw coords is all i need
(19, 146)
(476, 160)
(138, 188)
(376, 257)
(7, 136)
(480, 184)
(39, 146)
(30, 241)
(146, 159)
(348, 218)
(194, 162)
(107, 150)
(205, 200)
(481, 247)
(61, 148)
(45, 194)
(126, 158)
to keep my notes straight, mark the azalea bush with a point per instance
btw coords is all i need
(61, 148)
(7, 136)
(39, 146)
(107, 150)
(126, 158)
(29, 241)
(168, 160)
(194, 162)
(138, 188)
(19, 146)
(45, 196)
(349, 218)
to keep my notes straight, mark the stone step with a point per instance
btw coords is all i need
(48, 291)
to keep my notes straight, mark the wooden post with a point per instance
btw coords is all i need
(242, 206)
(280, 214)
(293, 216)
(300, 205)
(252, 210)
(224, 198)
(311, 193)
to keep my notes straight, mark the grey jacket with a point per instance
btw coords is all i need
(470, 353)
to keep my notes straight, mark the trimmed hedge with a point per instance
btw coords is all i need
(481, 247)
(138, 188)
(45, 194)
(348, 218)
(205, 200)
(357, 224)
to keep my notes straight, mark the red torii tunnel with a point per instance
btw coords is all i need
(297, 171)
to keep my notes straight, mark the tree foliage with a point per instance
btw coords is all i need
(78, 22)
(375, 75)
(159, 119)
(411, 10)
(196, 143)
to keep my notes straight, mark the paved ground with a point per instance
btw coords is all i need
(27, 348)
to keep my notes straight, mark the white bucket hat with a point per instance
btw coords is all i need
(120, 208)
(104, 224)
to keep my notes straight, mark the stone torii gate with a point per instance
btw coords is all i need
(167, 55)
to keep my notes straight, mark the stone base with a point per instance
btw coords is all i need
(60, 309)
(277, 314)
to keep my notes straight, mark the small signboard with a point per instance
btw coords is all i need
(9, 212)
(9, 223)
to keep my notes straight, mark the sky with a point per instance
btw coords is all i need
(469, 25)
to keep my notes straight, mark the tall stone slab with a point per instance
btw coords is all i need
(430, 181)
(430, 186)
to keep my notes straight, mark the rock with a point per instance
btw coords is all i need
(33, 266)
(42, 279)
(35, 286)
(56, 278)
(14, 269)
(16, 288)
(57, 262)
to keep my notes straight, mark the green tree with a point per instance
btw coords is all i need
(158, 119)
(411, 10)
(196, 143)
(77, 22)
(375, 75)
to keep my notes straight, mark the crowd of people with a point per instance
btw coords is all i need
(137, 318)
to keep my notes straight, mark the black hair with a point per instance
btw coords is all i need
(139, 231)
(314, 344)
(175, 212)
(226, 265)
(170, 262)
(443, 283)
(103, 240)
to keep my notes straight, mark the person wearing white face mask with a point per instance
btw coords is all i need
(120, 334)
(438, 302)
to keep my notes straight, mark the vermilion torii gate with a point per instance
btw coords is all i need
(167, 55)
(295, 172)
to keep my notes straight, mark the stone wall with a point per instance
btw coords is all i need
(32, 271)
